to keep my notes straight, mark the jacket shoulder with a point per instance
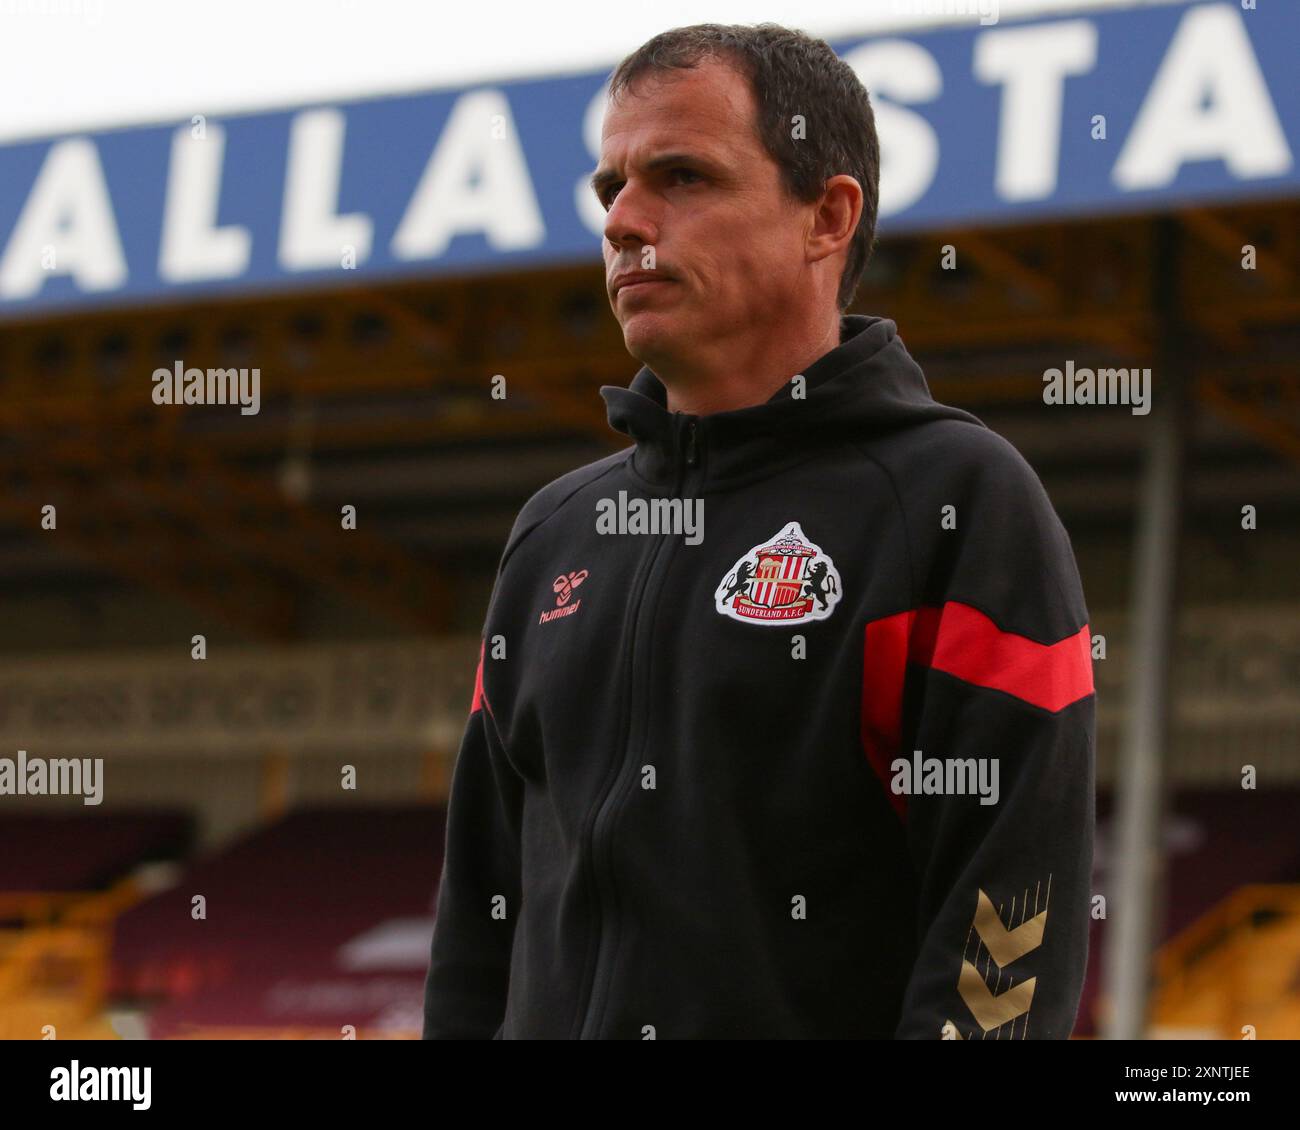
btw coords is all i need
(958, 461)
(954, 448)
(551, 498)
(982, 530)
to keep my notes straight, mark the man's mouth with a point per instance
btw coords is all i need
(638, 279)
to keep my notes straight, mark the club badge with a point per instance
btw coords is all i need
(786, 580)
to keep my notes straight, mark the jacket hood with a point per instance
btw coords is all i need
(866, 386)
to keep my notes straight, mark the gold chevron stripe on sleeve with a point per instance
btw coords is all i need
(991, 1011)
(1003, 944)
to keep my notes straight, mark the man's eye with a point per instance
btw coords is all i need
(607, 197)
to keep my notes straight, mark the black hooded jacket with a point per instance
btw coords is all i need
(824, 771)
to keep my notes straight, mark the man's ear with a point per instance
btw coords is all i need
(835, 218)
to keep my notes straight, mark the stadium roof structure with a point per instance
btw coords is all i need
(1081, 189)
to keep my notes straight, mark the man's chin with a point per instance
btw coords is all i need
(650, 336)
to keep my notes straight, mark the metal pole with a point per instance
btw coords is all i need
(1137, 851)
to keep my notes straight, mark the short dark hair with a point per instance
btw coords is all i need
(790, 73)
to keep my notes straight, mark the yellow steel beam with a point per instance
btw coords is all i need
(1263, 425)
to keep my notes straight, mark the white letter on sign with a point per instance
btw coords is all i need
(502, 205)
(909, 150)
(1210, 59)
(68, 209)
(1032, 64)
(193, 247)
(312, 234)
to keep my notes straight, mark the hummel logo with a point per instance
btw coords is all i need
(563, 586)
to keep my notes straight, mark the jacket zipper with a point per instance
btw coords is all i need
(606, 810)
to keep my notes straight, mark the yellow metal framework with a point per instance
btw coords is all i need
(1234, 973)
(141, 490)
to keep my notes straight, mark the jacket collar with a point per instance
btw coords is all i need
(866, 385)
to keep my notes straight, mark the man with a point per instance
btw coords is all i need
(825, 769)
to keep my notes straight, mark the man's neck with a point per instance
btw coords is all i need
(741, 381)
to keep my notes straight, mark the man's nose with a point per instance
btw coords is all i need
(629, 223)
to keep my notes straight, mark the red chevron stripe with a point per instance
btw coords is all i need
(961, 641)
(884, 654)
(479, 699)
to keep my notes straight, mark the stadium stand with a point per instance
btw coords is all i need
(1230, 949)
(318, 921)
(321, 921)
(64, 879)
(62, 851)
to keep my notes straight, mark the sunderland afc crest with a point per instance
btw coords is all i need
(786, 580)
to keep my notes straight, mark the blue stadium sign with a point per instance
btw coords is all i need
(1007, 122)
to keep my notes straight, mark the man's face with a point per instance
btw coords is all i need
(682, 171)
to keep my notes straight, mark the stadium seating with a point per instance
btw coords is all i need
(64, 877)
(1230, 938)
(319, 921)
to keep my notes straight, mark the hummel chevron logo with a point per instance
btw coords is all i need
(1004, 945)
(1007, 945)
(989, 1010)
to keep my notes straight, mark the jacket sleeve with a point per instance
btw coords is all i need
(999, 683)
(479, 892)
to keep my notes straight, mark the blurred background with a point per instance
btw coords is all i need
(379, 209)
